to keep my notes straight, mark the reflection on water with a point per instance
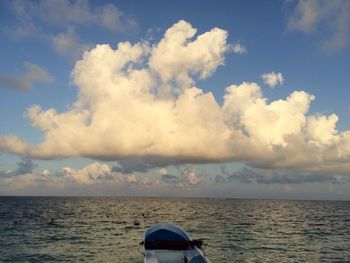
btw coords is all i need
(102, 229)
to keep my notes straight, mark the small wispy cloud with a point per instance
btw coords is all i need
(33, 16)
(131, 165)
(328, 19)
(64, 17)
(25, 81)
(187, 180)
(192, 176)
(238, 48)
(25, 166)
(69, 45)
(273, 79)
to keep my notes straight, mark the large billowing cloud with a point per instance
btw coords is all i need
(141, 101)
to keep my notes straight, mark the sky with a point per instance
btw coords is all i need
(224, 99)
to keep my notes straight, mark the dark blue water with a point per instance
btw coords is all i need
(102, 230)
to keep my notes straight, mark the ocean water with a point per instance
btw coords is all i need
(102, 230)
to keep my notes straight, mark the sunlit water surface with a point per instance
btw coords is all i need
(102, 229)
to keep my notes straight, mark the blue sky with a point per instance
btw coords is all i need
(256, 106)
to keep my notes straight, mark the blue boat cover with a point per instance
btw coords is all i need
(166, 232)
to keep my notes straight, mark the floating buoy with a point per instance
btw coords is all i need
(136, 222)
(51, 222)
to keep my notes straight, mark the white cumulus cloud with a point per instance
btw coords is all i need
(322, 129)
(141, 101)
(176, 58)
(273, 79)
(91, 174)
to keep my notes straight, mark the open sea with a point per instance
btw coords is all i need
(89, 229)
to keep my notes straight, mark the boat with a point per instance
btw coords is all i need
(167, 243)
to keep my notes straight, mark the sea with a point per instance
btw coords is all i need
(102, 229)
